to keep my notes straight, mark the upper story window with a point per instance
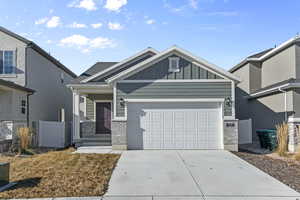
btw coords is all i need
(6, 62)
(174, 64)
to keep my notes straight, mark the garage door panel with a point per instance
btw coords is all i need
(176, 125)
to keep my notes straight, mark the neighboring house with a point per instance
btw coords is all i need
(156, 100)
(269, 92)
(32, 84)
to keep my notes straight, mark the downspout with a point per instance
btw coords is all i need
(27, 108)
(285, 103)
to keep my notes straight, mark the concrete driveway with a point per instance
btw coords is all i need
(189, 175)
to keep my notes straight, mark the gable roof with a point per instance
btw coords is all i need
(127, 60)
(15, 86)
(39, 50)
(197, 61)
(261, 56)
(97, 67)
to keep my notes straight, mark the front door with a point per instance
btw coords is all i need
(103, 118)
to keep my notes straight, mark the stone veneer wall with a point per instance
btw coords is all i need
(87, 128)
(294, 136)
(231, 135)
(118, 135)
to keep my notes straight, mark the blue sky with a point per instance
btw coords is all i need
(82, 32)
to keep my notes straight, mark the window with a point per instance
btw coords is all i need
(23, 106)
(6, 62)
(174, 64)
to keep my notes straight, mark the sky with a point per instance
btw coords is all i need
(80, 33)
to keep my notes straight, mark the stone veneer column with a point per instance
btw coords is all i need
(231, 135)
(118, 135)
(293, 138)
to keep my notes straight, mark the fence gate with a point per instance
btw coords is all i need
(245, 131)
(52, 134)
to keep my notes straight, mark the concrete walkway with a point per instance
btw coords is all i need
(210, 175)
(97, 150)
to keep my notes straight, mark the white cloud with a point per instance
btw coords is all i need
(150, 21)
(193, 4)
(53, 22)
(51, 11)
(114, 26)
(84, 4)
(49, 41)
(98, 25)
(85, 44)
(77, 25)
(41, 21)
(115, 5)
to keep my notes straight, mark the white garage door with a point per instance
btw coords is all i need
(169, 125)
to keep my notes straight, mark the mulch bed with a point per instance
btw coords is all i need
(286, 171)
(59, 174)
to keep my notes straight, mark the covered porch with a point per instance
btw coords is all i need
(13, 109)
(92, 114)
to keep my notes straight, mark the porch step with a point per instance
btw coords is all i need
(98, 139)
(88, 144)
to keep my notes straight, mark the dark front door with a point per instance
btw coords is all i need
(103, 118)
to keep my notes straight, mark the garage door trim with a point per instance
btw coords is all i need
(204, 100)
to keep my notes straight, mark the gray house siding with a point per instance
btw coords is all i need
(51, 95)
(90, 103)
(158, 90)
(279, 67)
(10, 43)
(160, 70)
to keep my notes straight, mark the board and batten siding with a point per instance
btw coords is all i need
(160, 70)
(172, 90)
(90, 101)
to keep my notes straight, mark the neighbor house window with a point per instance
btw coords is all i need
(174, 64)
(23, 106)
(6, 62)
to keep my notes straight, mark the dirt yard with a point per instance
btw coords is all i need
(60, 174)
(285, 170)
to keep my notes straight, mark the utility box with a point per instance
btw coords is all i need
(4, 174)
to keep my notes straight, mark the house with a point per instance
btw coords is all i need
(269, 91)
(156, 100)
(32, 84)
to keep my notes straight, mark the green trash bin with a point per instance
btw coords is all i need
(267, 138)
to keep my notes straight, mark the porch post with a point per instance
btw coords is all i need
(76, 116)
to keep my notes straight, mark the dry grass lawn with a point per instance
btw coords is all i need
(60, 174)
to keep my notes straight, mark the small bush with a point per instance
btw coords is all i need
(24, 135)
(282, 137)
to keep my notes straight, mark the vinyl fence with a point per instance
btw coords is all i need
(245, 131)
(52, 134)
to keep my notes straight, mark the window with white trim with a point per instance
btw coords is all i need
(174, 64)
(6, 62)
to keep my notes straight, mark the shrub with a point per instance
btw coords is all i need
(282, 137)
(24, 135)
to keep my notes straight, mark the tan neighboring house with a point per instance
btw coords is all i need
(32, 84)
(269, 91)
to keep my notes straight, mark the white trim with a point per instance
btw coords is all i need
(115, 100)
(281, 87)
(89, 86)
(222, 124)
(213, 67)
(292, 119)
(176, 100)
(84, 97)
(102, 101)
(233, 99)
(119, 64)
(174, 81)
